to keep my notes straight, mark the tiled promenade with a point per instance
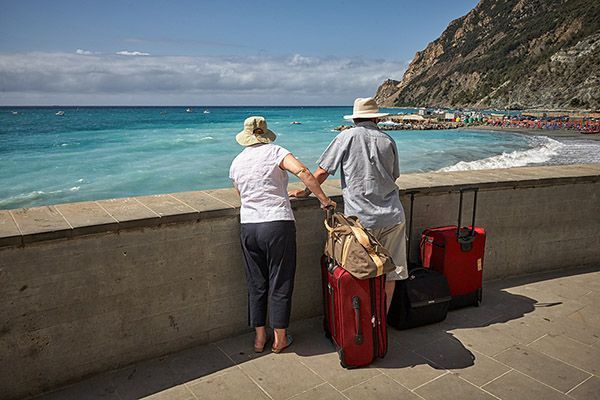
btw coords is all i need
(534, 337)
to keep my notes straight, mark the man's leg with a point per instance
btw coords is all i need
(394, 240)
(390, 286)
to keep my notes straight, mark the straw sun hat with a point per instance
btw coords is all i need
(365, 108)
(255, 131)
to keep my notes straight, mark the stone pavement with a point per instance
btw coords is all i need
(534, 337)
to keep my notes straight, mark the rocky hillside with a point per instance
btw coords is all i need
(508, 53)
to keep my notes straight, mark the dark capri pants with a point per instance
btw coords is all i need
(270, 259)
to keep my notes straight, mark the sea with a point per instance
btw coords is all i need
(92, 153)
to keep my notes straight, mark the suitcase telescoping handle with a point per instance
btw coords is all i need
(329, 216)
(410, 225)
(466, 240)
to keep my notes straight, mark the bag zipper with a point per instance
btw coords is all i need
(374, 316)
(332, 312)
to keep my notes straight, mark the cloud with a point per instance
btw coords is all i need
(84, 52)
(131, 53)
(59, 78)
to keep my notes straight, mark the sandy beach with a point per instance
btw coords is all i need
(553, 133)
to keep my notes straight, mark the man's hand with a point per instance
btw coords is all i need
(299, 193)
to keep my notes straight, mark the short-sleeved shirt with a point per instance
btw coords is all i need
(368, 162)
(255, 172)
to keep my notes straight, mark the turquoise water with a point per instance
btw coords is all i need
(102, 152)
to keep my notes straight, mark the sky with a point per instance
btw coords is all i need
(210, 52)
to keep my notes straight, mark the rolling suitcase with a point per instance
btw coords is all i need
(458, 254)
(354, 314)
(423, 298)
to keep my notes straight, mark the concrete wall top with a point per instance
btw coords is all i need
(26, 225)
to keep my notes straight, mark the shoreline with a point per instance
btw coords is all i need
(552, 133)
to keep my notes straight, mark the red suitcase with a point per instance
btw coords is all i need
(458, 254)
(354, 315)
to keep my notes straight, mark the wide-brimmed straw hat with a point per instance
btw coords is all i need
(365, 108)
(255, 131)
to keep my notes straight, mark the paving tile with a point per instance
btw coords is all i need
(406, 367)
(328, 367)
(380, 387)
(130, 212)
(9, 232)
(587, 316)
(412, 338)
(179, 392)
(87, 217)
(321, 392)
(169, 208)
(547, 370)
(516, 386)
(240, 348)
(268, 372)
(592, 297)
(574, 329)
(563, 289)
(450, 387)
(482, 371)
(588, 390)
(198, 362)
(41, 223)
(447, 353)
(530, 328)
(230, 384)
(480, 339)
(145, 379)
(570, 351)
(100, 387)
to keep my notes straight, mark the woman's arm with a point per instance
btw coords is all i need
(292, 164)
(320, 175)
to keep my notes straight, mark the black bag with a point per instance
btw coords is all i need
(421, 299)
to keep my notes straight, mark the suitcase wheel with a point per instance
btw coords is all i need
(479, 297)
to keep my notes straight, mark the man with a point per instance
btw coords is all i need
(368, 161)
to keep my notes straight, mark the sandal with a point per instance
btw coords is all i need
(290, 340)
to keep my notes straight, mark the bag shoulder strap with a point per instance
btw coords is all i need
(363, 239)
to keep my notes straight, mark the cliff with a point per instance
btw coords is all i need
(508, 53)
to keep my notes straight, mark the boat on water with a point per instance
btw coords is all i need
(15, 113)
(60, 113)
(206, 112)
(189, 110)
(295, 123)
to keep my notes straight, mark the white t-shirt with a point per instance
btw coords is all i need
(262, 184)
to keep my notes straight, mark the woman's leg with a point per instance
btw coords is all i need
(257, 274)
(281, 259)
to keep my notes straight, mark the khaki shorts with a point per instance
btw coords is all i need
(393, 238)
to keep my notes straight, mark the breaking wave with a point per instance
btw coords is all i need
(36, 195)
(543, 149)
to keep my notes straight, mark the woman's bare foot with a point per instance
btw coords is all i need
(260, 339)
(282, 340)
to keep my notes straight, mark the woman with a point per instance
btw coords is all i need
(268, 231)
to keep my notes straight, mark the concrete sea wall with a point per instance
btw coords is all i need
(88, 287)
